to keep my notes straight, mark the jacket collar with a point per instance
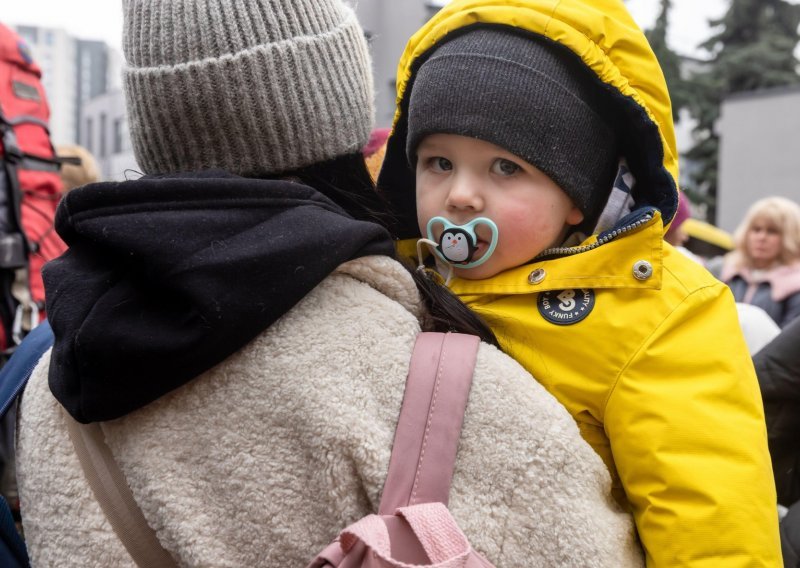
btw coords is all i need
(614, 264)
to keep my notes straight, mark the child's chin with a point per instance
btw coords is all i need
(477, 273)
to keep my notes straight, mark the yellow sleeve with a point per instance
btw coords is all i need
(686, 425)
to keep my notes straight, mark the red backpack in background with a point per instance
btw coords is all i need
(30, 188)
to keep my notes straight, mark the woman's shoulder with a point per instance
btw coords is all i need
(387, 277)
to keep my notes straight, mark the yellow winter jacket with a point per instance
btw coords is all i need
(640, 344)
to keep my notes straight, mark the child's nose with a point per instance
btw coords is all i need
(464, 194)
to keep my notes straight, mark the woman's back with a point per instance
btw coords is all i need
(263, 459)
(244, 342)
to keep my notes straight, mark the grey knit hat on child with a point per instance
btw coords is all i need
(525, 96)
(255, 87)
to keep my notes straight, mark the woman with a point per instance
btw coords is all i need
(764, 268)
(244, 336)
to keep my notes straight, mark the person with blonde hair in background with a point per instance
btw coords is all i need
(757, 326)
(764, 268)
(76, 175)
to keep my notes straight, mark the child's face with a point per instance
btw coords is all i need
(462, 178)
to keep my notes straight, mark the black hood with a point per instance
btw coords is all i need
(167, 276)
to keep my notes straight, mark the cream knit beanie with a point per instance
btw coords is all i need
(255, 87)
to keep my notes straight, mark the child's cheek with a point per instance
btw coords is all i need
(513, 220)
(424, 212)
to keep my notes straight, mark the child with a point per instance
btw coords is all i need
(515, 121)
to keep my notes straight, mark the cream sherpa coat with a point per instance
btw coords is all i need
(263, 459)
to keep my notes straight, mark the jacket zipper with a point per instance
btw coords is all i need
(569, 251)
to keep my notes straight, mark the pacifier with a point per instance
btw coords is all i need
(458, 243)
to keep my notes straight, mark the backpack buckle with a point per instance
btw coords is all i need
(19, 326)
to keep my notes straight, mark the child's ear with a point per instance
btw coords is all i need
(575, 216)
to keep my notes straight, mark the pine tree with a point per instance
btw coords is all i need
(752, 49)
(669, 60)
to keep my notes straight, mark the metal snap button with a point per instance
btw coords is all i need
(537, 276)
(642, 270)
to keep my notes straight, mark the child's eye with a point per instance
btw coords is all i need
(439, 164)
(504, 167)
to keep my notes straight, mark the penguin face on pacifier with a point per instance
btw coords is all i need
(458, 244)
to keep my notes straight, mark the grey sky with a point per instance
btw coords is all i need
(102, 19)
(86, 19)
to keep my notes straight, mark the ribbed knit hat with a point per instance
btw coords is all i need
(255, 87)
(526, 96)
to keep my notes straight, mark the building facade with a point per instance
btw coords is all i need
(82, 81)
(104, 132)
(388, 25)
(73, 72)
(759, 151)
(55, 51)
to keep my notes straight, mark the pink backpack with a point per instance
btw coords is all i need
(413, 525)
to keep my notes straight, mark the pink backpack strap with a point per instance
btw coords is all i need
(429, 427)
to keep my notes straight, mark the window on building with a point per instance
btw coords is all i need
(117, 136)
(49, 39)
(103, 125)
(88, 141)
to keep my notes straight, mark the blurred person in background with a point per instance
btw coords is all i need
(77, 175)
(764, 268)
(675, 235)
(778, 369)
(375, 150)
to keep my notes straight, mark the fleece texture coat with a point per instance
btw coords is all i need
(266, 455)
(640, 343)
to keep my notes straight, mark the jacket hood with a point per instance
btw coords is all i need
(167, 276)
(603, 35)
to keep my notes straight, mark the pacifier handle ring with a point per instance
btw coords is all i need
(421, 263)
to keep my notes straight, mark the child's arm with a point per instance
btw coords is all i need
(687, 431)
